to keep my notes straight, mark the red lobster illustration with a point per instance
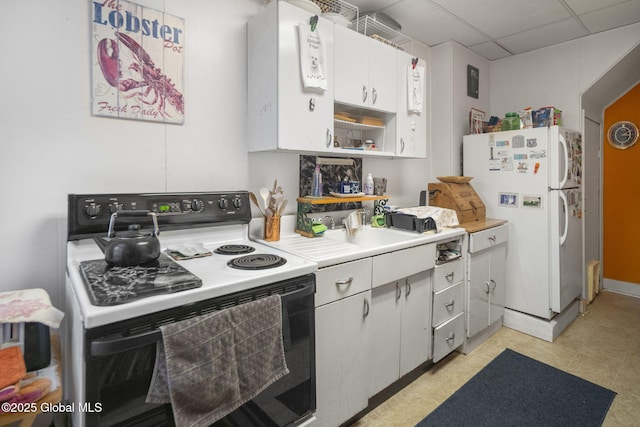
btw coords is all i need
(152, 77)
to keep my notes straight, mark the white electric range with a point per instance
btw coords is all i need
(114, 313)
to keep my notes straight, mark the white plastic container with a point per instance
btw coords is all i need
(368, 185)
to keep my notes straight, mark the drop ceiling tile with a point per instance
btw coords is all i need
(490, 50)
(584, 6)
(429, 24)
(612, 17)
(547, 35)
(502, 18)
(372, 5)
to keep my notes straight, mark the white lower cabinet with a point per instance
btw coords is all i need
(343, 305)
(486, 278)
(401, 318)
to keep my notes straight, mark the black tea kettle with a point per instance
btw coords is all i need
(132, 246)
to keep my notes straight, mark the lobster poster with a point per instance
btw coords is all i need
(137, 62)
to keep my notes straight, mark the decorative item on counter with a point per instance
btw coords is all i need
(378, 221)
(546, 116)
(345, 186)
(352, 223)
(316, 185)
(368, 185)
(379, 186)
(476, 121)
(274, 204)
(526, 118)
(272, 228)
(371, 121)
(511, 121)
(344, 116)
(12, 368)
(493, 125)
(349, 184)
(318, 227)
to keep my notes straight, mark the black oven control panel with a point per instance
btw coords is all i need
(89, 214)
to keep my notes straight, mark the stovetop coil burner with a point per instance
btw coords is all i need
(234, 249)
(257, 262)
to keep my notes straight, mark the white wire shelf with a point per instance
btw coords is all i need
(370, 27)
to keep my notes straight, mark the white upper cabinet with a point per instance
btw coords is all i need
(365, 71)
(282, 114)
(411, 126)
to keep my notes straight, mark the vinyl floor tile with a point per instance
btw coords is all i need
(602, 346)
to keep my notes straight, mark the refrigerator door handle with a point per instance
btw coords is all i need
(563, 143)
(565, 207)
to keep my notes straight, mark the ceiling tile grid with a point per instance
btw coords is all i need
(499, 28)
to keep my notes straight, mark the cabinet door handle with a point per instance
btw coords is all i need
(374, 95)
(449, 276)
(493, 285)
(450, 305)
(451, 337)
(365, 309)
(345, 282)
(407, 288)
(398, 291)
(364, 93)
(402, 145)
(329, 138)
(492, 239)
(312, 104)
(486, 286)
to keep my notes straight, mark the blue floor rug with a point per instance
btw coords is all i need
(515, 390)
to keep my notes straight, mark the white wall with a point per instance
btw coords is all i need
(450, 104)
(51, 145)
(558, 75)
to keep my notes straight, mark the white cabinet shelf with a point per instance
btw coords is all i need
(342, 124)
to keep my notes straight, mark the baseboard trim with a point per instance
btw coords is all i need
(626, 288)
(544, 329)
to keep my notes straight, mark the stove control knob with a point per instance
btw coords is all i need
(237, 203)
(196, 205)
(92, 210)
(223, 203)
(114, 207)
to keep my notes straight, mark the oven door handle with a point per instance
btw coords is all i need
(108, 346)
(305, 290)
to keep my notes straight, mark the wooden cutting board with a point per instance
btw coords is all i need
(482, 224)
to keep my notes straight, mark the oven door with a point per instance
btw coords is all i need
(120, 359)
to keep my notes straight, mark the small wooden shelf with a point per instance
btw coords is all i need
(329, 199)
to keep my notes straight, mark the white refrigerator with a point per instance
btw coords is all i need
(532, 178)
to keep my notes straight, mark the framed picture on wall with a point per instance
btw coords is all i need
(138, 61)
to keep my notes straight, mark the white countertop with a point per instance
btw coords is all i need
(335, 247)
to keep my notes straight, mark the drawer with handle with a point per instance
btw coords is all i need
(447, 337)
(342, 280)
(448, 303)
(487, 238)
(448, 274)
